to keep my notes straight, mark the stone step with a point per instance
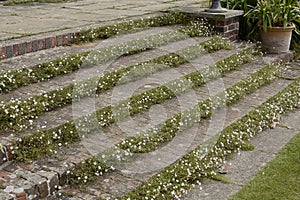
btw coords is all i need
(97, 70)
(26, 45)
(42, 58)
(124, 91)
(55, 165)
(67, 113)
(66, 83)
(54, 119)
(143, 166)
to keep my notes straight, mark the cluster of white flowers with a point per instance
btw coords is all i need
(170, 127)
(188, 172)
(35, 106)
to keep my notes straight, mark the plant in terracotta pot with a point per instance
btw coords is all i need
(276, 20)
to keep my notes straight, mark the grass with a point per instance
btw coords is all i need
(280, 179)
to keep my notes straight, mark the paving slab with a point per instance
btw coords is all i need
(37, 18)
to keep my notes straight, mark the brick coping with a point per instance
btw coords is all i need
(24, 45)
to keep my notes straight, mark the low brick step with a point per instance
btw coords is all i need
(26, 45)
(33, 59)
(59, 166)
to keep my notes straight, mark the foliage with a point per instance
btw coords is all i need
(247, 30)
(271, 13)
(31, 146)
(188, 171)
(132, 25)
(18, 113)
(153, 138)
(171, 126)
(249, 26)
(14, 79)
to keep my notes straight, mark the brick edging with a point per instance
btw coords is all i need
(16, 47)
(21, 48)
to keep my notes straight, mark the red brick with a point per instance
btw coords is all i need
(16, 49)
(65, 39)
(35, 45)
(22, 48)
(5, 175)
(26, 166)
(63, 178)
(28, 47)
(41, 44)
(221, 23)
(43, 189)
(21, 196)
(3, 53)
(231, 27)
(221, 29)
(59, 40)
(53, 42)
(52, 178)
(9, 51)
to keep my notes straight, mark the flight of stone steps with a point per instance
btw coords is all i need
(143, 114)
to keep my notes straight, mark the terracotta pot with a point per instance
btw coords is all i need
(277, 39)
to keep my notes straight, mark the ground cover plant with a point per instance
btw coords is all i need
(13, 116)
(151, 139)
(14, 79)
(81, 174)
(250, 84)
(47, 141)
(232, 139)
(188, 172)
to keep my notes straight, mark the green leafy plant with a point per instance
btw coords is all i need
(272, 13)
(245, 27)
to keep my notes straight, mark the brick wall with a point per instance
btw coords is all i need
(229, 27)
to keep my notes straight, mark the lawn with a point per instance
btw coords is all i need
(280, 179)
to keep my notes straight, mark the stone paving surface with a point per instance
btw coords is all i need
(37, 18)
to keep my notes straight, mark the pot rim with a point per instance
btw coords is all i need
(278, 28)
